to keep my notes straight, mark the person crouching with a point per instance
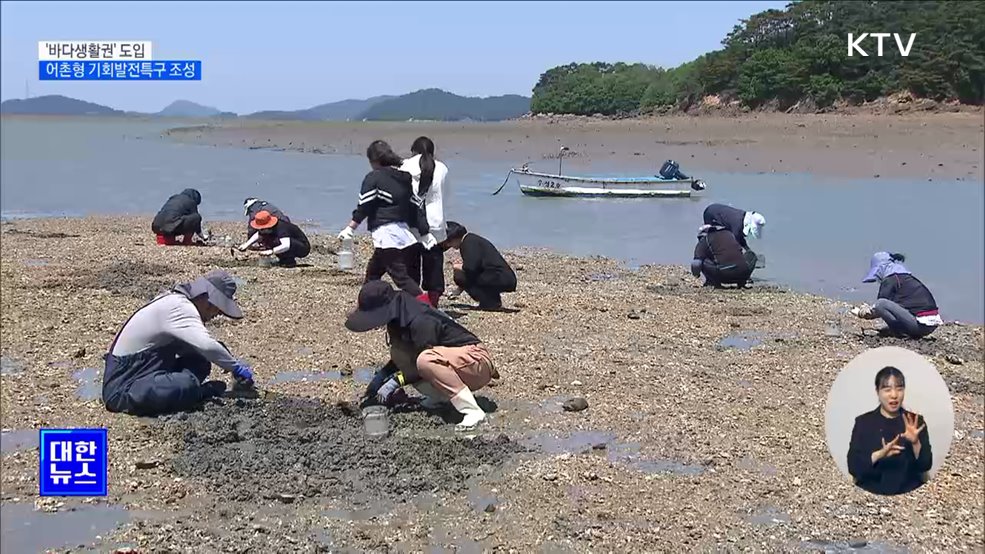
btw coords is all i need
(720, 258)
(443, 360)
(179, 217)
(278, 237)
(483, 273)
(160, 360)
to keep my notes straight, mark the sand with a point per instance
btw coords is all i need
(940, 146)
(686, 444)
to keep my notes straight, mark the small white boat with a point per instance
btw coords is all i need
(533, 183)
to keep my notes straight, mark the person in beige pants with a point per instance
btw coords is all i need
(430, 351)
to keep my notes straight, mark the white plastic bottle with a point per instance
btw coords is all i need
(346, 255)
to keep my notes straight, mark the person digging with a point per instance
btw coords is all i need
(159, 361)
(443, 360)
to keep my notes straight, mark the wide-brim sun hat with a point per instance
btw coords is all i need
(263, 220)
(374, 307)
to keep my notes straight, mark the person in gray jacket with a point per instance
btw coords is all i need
(160, 360)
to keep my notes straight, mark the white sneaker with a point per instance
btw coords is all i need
(465, 403)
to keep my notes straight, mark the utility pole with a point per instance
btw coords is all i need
(27, 89)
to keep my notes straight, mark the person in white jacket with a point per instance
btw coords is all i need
(430, 182)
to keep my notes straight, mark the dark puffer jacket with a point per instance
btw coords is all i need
(175, 210)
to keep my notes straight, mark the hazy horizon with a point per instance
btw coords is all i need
(315, 53)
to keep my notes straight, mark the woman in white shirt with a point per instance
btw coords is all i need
(430, 182)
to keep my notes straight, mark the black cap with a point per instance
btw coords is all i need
(373, 307)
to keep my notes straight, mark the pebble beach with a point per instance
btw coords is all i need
(704, 426)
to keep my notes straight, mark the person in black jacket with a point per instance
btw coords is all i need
(179, 217)
(904, 303)
(890, 451)
(278, 238)
(429, 350)
(252, 206)
(720, 258)
(483, 272)
(388, 202)
(741, 223)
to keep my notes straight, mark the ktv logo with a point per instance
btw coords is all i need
(854, 44)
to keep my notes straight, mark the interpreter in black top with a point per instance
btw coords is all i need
(278, 238)
(429, 350)
(721, 259)
(179, 217)
(890, 447)
(904, 303)
(483, 272)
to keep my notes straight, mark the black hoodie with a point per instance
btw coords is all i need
(177, 207)
(387, 196)
(726, 216)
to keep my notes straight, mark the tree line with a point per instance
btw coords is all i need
(782, 57)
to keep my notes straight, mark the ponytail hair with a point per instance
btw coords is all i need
(380, 153)
(897, 257)
(424, 147)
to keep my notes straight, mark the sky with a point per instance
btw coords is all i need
(294, 55)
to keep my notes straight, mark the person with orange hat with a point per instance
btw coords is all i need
(278, 238)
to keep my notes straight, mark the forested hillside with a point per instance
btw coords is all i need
(782, 57)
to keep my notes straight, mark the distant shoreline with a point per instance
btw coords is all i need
(922, 146)
(928, 147)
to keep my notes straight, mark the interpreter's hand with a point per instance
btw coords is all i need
(386, 391)
(429, 241)
(346, 233)
(888, 450)
(457, 265)
(243, 374)
(266, 253)
(911, 432)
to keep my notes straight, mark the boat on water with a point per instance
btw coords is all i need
(670, 183)
(533, 183)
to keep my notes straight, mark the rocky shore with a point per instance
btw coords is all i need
(704, 427)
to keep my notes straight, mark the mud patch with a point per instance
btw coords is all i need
(575, 443)
(90, 385)
(629, 454)
(851, 546)
(11, 366)
(950, 339)
(16, 440)
(305, 376)
(134, 279)
(363, 374)
(27, 530)
(43, 235)
(743, 340)
(250, 450)
(768, 515)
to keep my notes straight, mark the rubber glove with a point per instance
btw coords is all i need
(386, 391)
(346, 233)
(379, 378)
(243, 373)
(429, 241)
